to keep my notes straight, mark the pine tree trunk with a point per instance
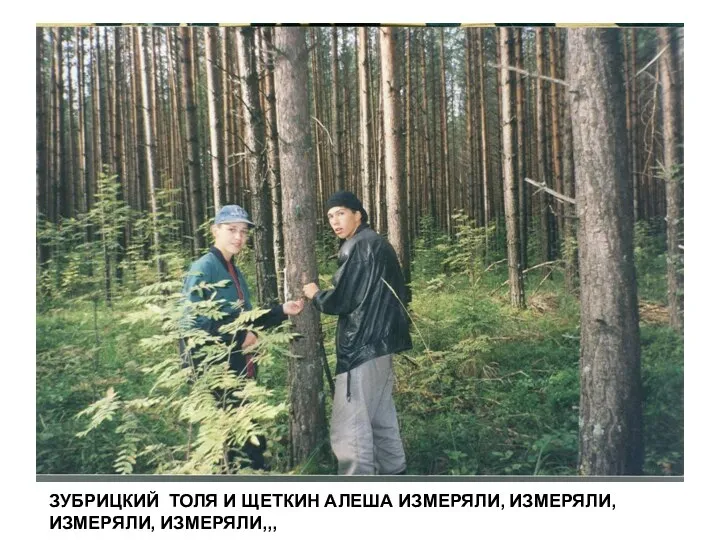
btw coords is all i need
(380, 187)
(99, 144)
(556, 160)
(52, 137)
(191, 139)
(226, 75)
(215, 116)
(611, 434)
(365, 121)
(570, 239)
(337, 154)
(349, 150)
(177, 155)
(517, 293)
(307, 408)
(498, 188)
(408, 176)
(392, 127)
(150, 145)
(322, 192)
(138, 135)
(635, 130)
(483, 143)
(274, 159)
(119, 148)
(445, 152)
(83, 149)
(259, 187)
(470, 129)
(521, 151)
(61, 153)
(72, 143)
(430, 177)
(136, 151)
(545, 234)
(106, 102)
(41, 177)
(673, 174)
(159, 118)
(629, 95)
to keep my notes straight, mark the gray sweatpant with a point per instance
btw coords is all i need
(364, 431)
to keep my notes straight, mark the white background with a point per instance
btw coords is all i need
(650, 510)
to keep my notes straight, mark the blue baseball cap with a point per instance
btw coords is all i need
(232, 213)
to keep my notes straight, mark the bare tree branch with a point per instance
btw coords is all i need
(527, 73)
(651, 62)
(550, 191)
(326, 131)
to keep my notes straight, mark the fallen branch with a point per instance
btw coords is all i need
(540, 284)
(548, 263)
(500, 287)
(495, 263)
(552, 192)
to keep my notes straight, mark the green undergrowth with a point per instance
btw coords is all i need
(486, 390)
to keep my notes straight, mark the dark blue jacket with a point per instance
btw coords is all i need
(212, 268)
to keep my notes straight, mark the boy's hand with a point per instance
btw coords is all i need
(250, 340)
(293, 307)
(310, 290)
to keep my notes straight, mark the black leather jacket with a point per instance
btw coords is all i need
(372, 322)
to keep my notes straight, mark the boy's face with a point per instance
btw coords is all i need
(230, 238)
(343, 221)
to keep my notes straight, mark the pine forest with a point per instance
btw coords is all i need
(530, 180)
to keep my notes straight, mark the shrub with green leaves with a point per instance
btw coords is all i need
(211, 408)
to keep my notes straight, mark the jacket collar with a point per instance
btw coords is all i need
(215, 251)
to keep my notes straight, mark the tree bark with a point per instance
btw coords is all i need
(273, 159)
(71, 158)
(337, 152)
(260, 202)
(191, 140)
(41, 172)
(673, 174)
(428, 161)
(147, 102)
(61, 168)
(445, 151)
(365, 121)
(545, 235)
(119, 148)
(555, 181)
(611, 435)
(307, 412)
(517, 293)
(570, 254)
(392, 127)
(521, 151)
(215, 116)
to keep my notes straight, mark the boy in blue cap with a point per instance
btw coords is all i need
(230, 232)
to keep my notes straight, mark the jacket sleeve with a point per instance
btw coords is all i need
(272, 318)
(351, 281)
